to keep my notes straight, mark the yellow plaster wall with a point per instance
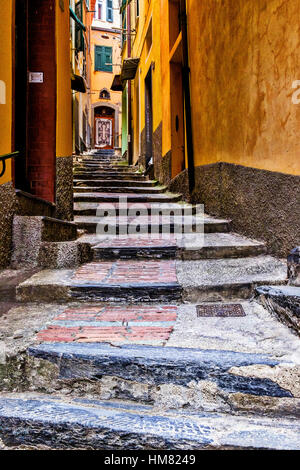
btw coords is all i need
(148, 10)
(6, 8)
(244, 57)
(165, 77)
(64, 95)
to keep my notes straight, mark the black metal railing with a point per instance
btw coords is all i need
(3, 159)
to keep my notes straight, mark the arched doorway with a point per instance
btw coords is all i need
(104, 126)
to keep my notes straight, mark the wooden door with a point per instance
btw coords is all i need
(104, 132)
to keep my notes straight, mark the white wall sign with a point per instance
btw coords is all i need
(2, 92)
(36, 77)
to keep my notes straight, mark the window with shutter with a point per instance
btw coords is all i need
(103, 59)
(79, 41)
(109, 7)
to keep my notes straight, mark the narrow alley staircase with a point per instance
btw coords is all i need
(156, 342)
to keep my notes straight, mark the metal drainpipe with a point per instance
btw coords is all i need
(130, 156)
(187, 96)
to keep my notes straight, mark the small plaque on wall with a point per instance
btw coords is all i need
(36, 77)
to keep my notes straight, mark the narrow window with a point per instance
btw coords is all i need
(109, 15)
(98, 9)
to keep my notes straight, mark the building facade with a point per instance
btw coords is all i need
(81, 73)
(106, 104)
(210, 104)
(35, 112)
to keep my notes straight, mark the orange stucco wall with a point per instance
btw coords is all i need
(244, 58)
(6, 8)
(64, 96)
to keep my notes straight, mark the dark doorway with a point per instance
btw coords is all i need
(148, 116)
(20, 94)
(35, 97)
(104, 127)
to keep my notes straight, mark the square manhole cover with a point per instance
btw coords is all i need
(224, 310)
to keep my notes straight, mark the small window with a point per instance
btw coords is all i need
(99, 9)
(149, 38)
(103, 59)
(110, 13)
(104, 94)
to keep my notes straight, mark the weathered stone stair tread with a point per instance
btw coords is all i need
(91, 168)
(156, 365)
(154, 223)
(123, 189)
(154, 208)
(97, 175)
(30, 205)
(118, 280)
(283, 301)
(214, 245)
(62, 424)
(111, 183)
(228, 277)
(48, 229)
(292, 292)
(131, 197)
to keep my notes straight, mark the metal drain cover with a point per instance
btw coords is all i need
(222, 310)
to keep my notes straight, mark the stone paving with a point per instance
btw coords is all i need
(126, 331)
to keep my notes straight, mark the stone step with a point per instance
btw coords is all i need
(219, 245)
(46, 229)
(109, 281)
(151, 224)
(104, 161)
(133, 248)
(34, 236)
(111, 176)
(144, 184)
(63, 255)
(162, 374)
(284, 302)
(172, 208)
(121, 189)
(30, 205)
(105, 197)
(221, 279)
(105, 167)
(58, 423)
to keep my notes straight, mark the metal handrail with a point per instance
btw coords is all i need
(3, 159)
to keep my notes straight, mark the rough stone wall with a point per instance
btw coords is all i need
(7, 210)
(165, 170)
(64, 188)
(157, 150)
(262, 204)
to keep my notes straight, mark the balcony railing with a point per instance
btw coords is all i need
(3, 159)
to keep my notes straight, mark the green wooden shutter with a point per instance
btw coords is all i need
(109, 11)
(108, 59)
(98, 58)
(103, 59)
